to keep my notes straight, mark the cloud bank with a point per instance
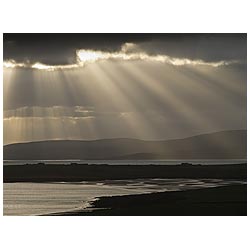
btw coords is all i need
(59, 49)
(128, 52)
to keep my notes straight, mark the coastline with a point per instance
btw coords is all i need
(226, 200)
(216, 201)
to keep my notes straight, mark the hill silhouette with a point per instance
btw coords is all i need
(219, 145)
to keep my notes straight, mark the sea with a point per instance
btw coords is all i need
(129, 162)
(25, 199)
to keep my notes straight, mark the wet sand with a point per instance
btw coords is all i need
(219, 201)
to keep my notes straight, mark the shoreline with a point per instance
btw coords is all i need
(216, 201)
(226, 200)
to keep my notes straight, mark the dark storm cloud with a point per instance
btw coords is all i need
(207, 47)
(60, 48)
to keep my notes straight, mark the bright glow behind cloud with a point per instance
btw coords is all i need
(85, 56)
(13, 64)
(130, 51)
(52, 67)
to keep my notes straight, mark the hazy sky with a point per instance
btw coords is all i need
(147, 86)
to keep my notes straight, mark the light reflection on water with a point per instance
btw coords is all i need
(45, 198)
(129, 162)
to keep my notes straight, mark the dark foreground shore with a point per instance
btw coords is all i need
(227, 200)
(219, 201)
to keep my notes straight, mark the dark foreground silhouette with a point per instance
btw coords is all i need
(228, 200)
(219, 201)
(85, 172)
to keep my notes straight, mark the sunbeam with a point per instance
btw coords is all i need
(129, 92)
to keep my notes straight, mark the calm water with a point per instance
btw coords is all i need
(46, 198)
(128, 162)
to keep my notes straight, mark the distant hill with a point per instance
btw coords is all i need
(219, 145)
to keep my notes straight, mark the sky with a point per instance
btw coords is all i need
(146, 86)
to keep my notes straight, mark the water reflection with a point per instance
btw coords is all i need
(45, 198)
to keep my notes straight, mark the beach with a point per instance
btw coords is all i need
(218, 201)
(85, 189)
